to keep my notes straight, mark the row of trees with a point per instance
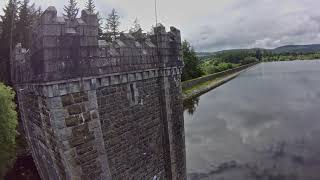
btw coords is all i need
(290, 57)
(108, 31)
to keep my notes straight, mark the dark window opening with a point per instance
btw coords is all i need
(132, 93)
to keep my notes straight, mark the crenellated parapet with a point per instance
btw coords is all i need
(65, 49)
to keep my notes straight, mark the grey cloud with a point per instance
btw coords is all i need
(241, 28)
(216, 25)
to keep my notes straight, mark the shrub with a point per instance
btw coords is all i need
(8, 124)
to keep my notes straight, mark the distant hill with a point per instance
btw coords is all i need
(297, 49)
(205, 54)
(312, 48)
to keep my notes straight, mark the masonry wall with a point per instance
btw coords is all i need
(39, 129)
(101, 111)
(133, 129)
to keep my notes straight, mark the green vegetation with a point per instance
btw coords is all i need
(8, 124)
(214, 66)
(225, 60)
(196, 67)
(290, 57)
(285, 53)
(192, 67)
(238, 56)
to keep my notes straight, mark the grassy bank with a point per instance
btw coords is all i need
(215, 80)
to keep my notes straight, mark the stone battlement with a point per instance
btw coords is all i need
(64, 49)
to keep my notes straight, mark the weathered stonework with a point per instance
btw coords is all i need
(101, 110)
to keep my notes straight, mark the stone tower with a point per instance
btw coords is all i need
(101, 110)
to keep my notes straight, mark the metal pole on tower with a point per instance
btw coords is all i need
(155, 11)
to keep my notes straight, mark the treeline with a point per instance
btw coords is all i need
(269, 57)
(19, 18)
(224, 60)
(196, 67)
(16, 27)
(229, 59)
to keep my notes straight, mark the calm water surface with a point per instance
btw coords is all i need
(265, 124)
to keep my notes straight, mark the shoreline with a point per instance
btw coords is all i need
(201, 88)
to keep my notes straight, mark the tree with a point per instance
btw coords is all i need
(8, 38)
(258, 54)
(249, 60)
(113, 23)
(100, 31)
(191, 68)
(23, 23)
(8, 124)
(9, 19)
(90, 6)
(136, 26)
(27, 16)
(71, 10)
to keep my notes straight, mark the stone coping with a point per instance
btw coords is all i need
(63, 87)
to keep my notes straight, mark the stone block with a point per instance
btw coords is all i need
(145, 75)
(49, 91)
(86, 85)
(105, 81)
(84, 149)
(51, 30)
(94, 84)
(94, 114)
(72, 121)
(114, 80)
(124, 78)
(76, 109)
(55, 89)
(74, 87)
(80, 131)
(93, 125)
(54, 103)
(80, 97)
(139, 76)
(64, 134)
(86, 117)
(58, 114)
(67, 100)
(76, 141)
(131, 77)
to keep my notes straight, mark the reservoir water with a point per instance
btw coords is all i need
(264, 124)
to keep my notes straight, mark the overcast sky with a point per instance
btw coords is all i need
(212, 25)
